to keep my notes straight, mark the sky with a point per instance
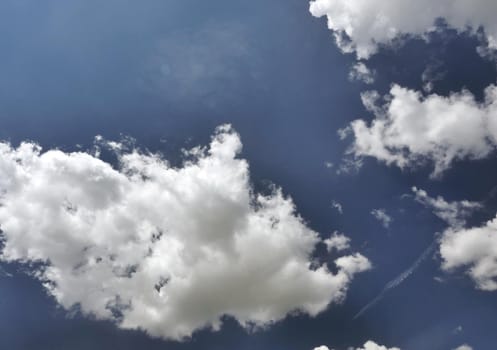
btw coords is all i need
(274, 175)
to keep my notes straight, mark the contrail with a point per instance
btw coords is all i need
(398, 280)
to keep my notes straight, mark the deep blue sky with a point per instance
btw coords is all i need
(167, 73)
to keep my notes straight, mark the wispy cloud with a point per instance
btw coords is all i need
(382, 216)
(398, 280)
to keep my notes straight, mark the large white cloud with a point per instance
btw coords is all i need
(361, 25)
(369, 345)
(165, 249)
(411, 128)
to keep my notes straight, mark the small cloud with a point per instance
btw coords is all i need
(328, 165)
(369, 345)
(453, 213)
(349, 166)
(337, 206)
(337, 241)
(344, 132)
(464, 347)
(382, 217)
(360, 72)
(457, 330)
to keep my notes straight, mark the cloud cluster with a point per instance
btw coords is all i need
(168, 250)
(411, 129)
(382, 216)
(473, 249)
(361, 25)
(337, 241)
(361, 72)
(453, 213)
(369, 345)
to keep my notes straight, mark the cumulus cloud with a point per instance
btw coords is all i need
(361, 72)
(337, 241)
(382, 216)
(464, 347)
(165, 249)
(360, 25)
(453, 213)
(369, 345)
(473, 249)
(411, 129)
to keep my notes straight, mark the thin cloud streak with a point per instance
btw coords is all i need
(398, 280)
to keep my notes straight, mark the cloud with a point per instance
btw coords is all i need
(369, 345)
(397, 280)
(337, 206)
(337, 241)
(360, 26)
(204, 65)
(361, 72)
(453, 213)
(165, 249)
(382, 217)
(464, 347)
(474, 249)
(411, 129)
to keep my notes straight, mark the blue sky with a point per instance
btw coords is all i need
(167, 74)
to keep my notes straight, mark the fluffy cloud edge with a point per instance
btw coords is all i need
(361, 26)
(411, 129)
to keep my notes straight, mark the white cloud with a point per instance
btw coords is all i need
(474, 249)
(361, 72)
(337, 241)
(352, 264)
(411, 129)
(453, 213)
(382, 216)
(169, 250)
(464, 347)
(369, 345)
(337, 206)
(361, 25)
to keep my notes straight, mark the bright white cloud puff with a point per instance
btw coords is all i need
(475, 250)
(369, 345)
(411, 129)
(168, 250)
(361, 25)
